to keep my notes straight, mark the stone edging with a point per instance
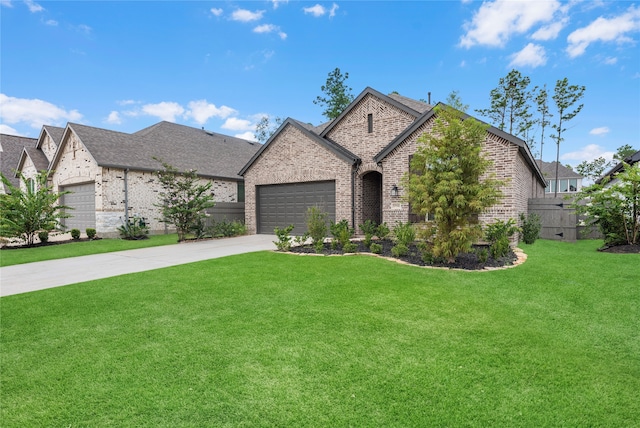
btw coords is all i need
(521, 258)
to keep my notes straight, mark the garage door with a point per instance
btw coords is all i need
(83, 201)
(280, 205)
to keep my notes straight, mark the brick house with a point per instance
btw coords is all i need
(11, 148)
(568, 181)
(352, 166)
(111, 174)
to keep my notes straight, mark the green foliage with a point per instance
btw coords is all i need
(265, 129)
(623, 152)
(24, 213)
(317, 227)
(483, 255)
(375, 248)
(542, 105)
(134, 228)
(337, 94)
(91, 232)
(445, 180)
(75, 233)
(284, 237)
(399, 250)
(592, 169)
(614, 208)
(498, 234)
(530, 227)
(183, 200)
(369, 228)
(350, 247)
(226, 229)
(382, 231)
(404, 233)
(341, 232)
(43, 236)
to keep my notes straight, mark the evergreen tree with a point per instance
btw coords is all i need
(542, 104)
(265, 129)
(337, 94)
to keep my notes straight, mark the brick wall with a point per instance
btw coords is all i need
(48, 147)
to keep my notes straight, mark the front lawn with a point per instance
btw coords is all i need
(272, 339)
(18, 256)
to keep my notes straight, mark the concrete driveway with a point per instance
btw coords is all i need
(55, 273)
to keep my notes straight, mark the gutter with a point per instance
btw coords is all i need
(354, 171)
(126, 196)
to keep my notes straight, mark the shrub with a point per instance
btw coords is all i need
(350, 247)
(43, 236)
(75, 233)
(225, 229)
(405, 233)
(341, 232)
(382, 231)
(399, 250)
(375, 248)
(530, 229)
(302, 239)
(483, 255)
(134, 228)
(284, 239)
(91, 232)
(317, 227)
(498, 234)
(369, 228)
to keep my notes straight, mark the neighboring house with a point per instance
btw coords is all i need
(568, 181)
(111, 175)
(11, 148)
(352, 167)
(630, 160)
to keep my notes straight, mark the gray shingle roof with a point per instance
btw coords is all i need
(630, 160)
(11, 148)
(38, 158)
(210, 153)
(55, 132)
(549, 170)
(418, 106)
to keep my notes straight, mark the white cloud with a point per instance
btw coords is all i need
(244, 15)
(495, 22)
(114, 117)
(246, 136)
(531, 55)
(33, 6)
(51, 22)
(270, 28)
(588, 153)
(611, 60)
(34, 112)
(164, 110)
(83, 28)
(6, 129)
(201, 111)
(126, 102)
(604, 30)
(317, 10)
(463, 63)
(603, 130)
(333, 10)
(216, 12)
(551, 31)
(277, 3)
(235, 124)
(6, 3)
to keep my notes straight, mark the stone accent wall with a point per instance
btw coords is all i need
(49, 147)
(292, 158)
(29, 170)
(352, 131)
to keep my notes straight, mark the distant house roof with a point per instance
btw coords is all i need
(549, 170)
(11, 148)
(209, 153)
(630, 160)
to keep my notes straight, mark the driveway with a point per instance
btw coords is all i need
(55, 273)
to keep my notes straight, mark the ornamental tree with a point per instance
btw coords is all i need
(445, 180)
(24, 213)
(183, 200)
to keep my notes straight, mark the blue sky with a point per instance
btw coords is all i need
(222, 65)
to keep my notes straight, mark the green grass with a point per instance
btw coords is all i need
(271, 339)
(10, 257)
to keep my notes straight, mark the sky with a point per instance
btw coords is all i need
(222, 65)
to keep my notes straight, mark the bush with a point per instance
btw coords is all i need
(341, 232)
(498, 234)
(369, 229)
(75, 233)
(226, 229)
(375, 248)
(134, 228)
(483, 255)
(350, 247)
(284, 239)
(530, 229)
(43, 236)
(91, 232)
(405, 233)
(382, 231)
(317, 227)
(399, 250)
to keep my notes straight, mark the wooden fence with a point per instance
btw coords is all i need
(559, 221)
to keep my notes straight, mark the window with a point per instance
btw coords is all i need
(573, 185)
(240, 191)
(370, 123)
(31, 185)
(565, 186)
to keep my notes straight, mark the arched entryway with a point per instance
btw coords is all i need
(372, 197)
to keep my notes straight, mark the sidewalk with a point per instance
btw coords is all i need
(55, 273)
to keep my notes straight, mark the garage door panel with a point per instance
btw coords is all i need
(282, 204)
(83, 201)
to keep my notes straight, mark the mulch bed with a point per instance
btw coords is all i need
(47, 244)
(621, 249)
(467, 261)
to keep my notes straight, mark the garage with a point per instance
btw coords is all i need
(279, 205)
(83, 201)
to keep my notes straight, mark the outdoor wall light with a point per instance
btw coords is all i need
(395, 191)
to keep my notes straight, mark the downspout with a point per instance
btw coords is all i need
(354, 171)
(126, 196)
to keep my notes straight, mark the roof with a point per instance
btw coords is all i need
(418, 106)
(629, 160)
(54, 132)
(209, 153)
(307, 130)
(38, 158)
(11, 148)
(549, 170)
